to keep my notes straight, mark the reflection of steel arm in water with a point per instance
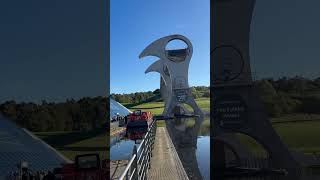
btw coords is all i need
(184, 138)
(116, 139)
(136, 134)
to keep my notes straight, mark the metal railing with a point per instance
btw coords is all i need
(139, 163)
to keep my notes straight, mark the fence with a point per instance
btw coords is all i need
(139, 163)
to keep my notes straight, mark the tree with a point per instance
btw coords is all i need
(206, 94)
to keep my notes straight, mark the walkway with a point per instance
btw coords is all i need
(165, 163)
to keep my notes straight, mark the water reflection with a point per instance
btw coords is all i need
(114, 140)
(122, 144)
(137, 134)
(184, 134)
(190, 137)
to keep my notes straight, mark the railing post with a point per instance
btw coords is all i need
(134, 167)
(152, 139)
(136, 164)
(154, 133)
(149, 147)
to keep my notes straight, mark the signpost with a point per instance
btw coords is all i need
(230, 112)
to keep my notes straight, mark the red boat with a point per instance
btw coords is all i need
(139, 119)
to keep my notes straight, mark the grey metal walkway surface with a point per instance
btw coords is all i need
(165, 162)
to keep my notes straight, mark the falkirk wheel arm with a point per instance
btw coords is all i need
(236, 107)
(165, 82)
(173, 67)
(163, 90)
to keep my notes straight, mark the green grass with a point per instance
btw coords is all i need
(297, 117)
(72, 143)
(204, 104)
(298, 136)
(157, 107)
(302, 136)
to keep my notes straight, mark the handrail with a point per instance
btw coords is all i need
(140, 160)
(128, 166)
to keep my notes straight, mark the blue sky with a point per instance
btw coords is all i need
(285, 38)
(55, 50)
(135, 24)
(52, 50)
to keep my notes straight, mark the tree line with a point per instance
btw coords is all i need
(152, 96)
(280, 96)
(82, 115)
(289, 95)
(285, 95)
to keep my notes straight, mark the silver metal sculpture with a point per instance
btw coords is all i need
(173, 67)
(237, 107)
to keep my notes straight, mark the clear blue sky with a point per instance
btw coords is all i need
(52, 50)
(135, 24)
(285, 39)
(55, 50)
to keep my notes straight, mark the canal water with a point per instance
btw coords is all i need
(190, 136)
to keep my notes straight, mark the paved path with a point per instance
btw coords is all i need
(165, 162)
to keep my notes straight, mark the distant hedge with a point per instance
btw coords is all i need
(84, 114)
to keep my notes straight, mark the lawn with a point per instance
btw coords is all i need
(299, 136)
(157, 107)
(72, 143)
